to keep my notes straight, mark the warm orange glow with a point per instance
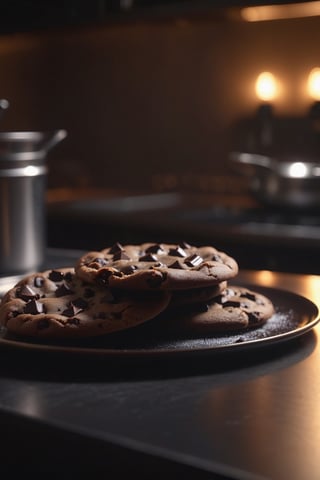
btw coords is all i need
(314, 83)
(277, 12)
(266, 86)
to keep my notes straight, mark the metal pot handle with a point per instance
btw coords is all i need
(253, 159)
(55, 138)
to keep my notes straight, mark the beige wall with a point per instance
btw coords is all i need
(140, 100)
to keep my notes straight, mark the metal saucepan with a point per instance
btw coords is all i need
(23, 171)
(285, 182)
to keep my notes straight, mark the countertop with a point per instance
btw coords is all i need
(278, 239)
(244, 414)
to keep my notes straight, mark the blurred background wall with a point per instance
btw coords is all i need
(145, 100)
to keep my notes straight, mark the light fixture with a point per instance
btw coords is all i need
(280, 12)
(266, 86)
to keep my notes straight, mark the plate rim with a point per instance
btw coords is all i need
(171, 351)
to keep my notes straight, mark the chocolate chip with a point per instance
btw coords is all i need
(63, 290)
(68, 277)
(55, 276)
(117, 247)
(129, 269)
(177, 252)
(69, 311)
(249, 296)
(26, 293)
(193, 260)
(34, 307)
(120, 256)
(103, 277)
(73, 321)
(156, 248)
(149, 257)
(80, 303)
(216, 258)
(158, 265)
(38, 282)
(231, 303)
(98, 262)
(184, 245)
(254, 316)
(176, 265)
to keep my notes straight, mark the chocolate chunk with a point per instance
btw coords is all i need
(34, 307)
(73, 321)
(176, 265)
(38, 282)
(55, 276)
(231, 303)
(63, 290)
(100, 261)
(185, 245)
(103, 277)
(249, 296)
(69, 311)
(26, 293)
(68, 277)
(80, 303)
(156, 248)
(149, 257)
(117, 247)
(193, 260)
(254, 316)
(120, 256)
(129, 269)
(177, 252)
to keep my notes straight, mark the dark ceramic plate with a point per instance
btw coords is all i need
(295, 315)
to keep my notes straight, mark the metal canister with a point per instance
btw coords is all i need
(23, 174)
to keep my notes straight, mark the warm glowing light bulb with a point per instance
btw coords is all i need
(266, 86)
(314, 83)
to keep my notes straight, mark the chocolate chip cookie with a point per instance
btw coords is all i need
(179, 298)
(237, 308)
(58, 304)
(156, 266)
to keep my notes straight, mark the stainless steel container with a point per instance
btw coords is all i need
(23, 173)
(290, 181)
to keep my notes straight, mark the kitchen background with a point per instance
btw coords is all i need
(152, 96)
(150, 99)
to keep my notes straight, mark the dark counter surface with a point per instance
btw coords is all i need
(252, 414)
(278, 239)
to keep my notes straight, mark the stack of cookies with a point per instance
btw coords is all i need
(122, 286)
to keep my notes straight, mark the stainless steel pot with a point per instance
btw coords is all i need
(287, 181)
(23, 172)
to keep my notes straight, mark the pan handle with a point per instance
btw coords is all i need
(253, 159)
